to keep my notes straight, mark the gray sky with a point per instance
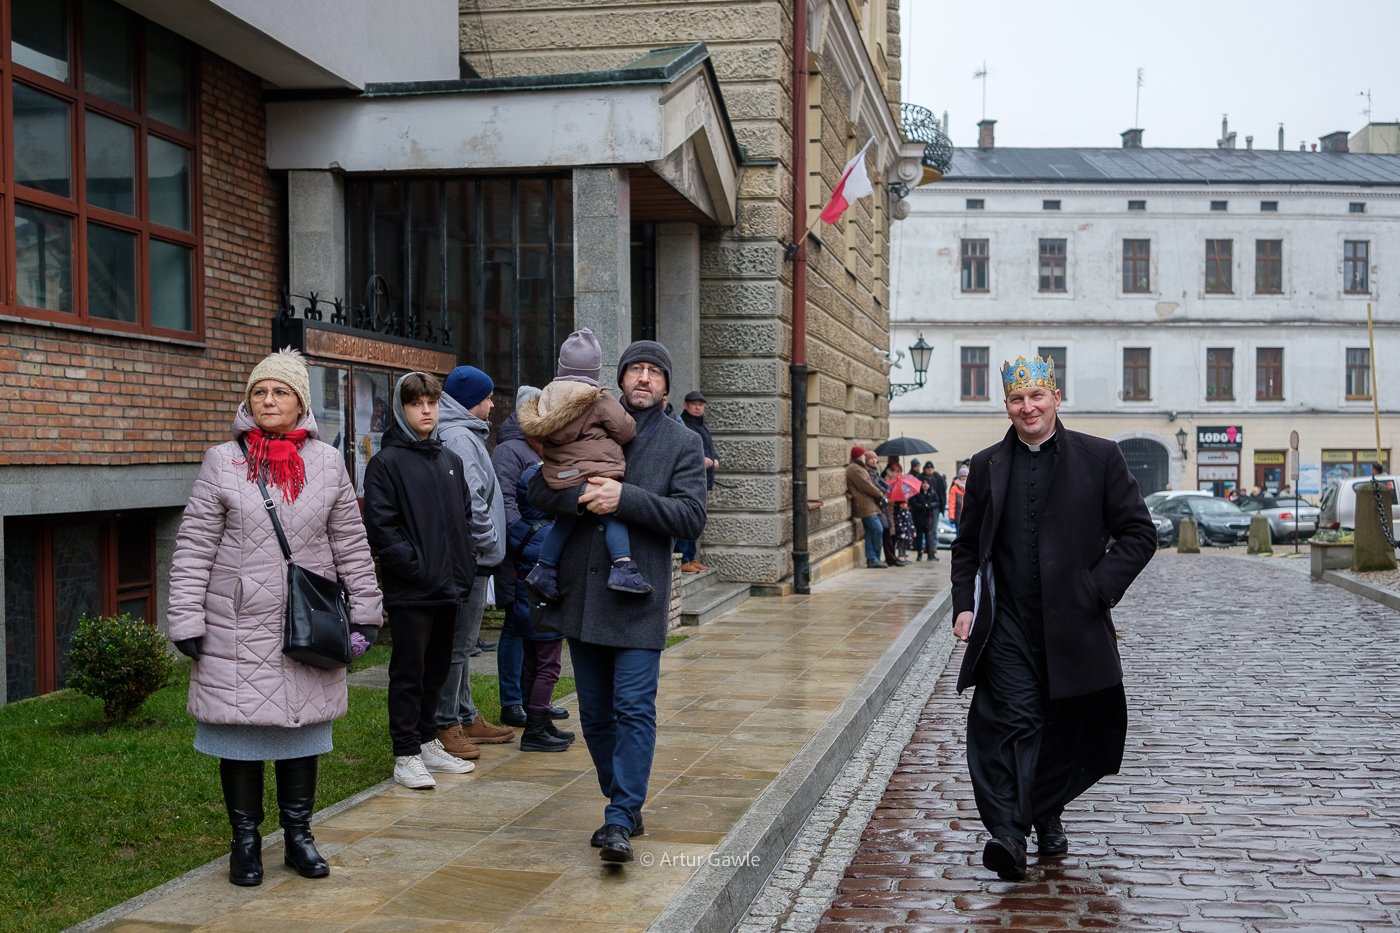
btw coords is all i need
(1064, 73)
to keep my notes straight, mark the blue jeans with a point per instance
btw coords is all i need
(874, 537)
(615, 535)
(686, 548)
(617, 709)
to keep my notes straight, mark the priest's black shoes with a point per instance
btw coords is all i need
(1050, 838)
(1006, 855)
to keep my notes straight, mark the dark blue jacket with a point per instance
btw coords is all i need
(527, 534)
(510, 458)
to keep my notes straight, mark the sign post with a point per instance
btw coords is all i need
(1293, 455)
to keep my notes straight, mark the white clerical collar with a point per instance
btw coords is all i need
(1035, 448)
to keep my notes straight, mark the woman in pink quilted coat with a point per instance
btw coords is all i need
(227, 592)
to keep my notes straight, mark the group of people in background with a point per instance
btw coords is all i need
(579, 480)
(900, 511)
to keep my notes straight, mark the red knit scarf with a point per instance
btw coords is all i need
(277, 457)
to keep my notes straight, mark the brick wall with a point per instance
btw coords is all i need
(78, 396)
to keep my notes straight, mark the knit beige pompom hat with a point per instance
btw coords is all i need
(288, 366)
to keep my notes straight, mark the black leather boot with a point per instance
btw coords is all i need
(296, 798)
(558, 733)
(243, 798)
(538, 737)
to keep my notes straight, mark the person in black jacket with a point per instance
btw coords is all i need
(938, 496)
(694, 418)
(1051, 534)
(418, 518)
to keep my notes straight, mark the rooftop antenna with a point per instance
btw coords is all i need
(1366, 94)
(1137, 102)
(981, 75)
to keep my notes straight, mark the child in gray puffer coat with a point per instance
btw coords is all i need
(582, 429)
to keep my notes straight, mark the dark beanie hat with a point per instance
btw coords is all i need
(645, 351)
(468, 386)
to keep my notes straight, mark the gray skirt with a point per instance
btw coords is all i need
(262, 743)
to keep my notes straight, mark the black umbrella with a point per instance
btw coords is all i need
(904, 446)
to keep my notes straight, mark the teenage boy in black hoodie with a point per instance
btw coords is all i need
(418, 518)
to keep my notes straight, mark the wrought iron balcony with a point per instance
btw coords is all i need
(921, 126)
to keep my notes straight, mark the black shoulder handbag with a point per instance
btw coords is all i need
(317, 622)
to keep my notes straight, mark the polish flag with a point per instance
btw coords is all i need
(854, 185)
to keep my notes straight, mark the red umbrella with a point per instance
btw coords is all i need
(902, 487)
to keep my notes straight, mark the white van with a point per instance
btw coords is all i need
(1338, 504)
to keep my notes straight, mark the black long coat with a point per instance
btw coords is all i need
(1093, 500)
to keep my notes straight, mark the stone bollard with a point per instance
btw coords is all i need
(1370, 550)
(1261, 539)
(1188, 539)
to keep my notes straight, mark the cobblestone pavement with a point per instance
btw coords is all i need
(1260, 789)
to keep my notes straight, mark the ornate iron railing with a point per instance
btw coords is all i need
(378, 314)
(921, 126)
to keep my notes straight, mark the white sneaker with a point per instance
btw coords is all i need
(436, 758)
(410, 772)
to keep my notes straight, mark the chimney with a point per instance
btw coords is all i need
(1132, 139)
(986, 139)
(1335, 142)
(1249, 142)
(1280, 137)
(1303, 147)
(1227, 139)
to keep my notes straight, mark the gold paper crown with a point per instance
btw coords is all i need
(1024, 373)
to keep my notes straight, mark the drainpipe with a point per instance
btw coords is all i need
(797, 371)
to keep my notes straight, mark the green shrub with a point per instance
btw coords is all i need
(120, 661)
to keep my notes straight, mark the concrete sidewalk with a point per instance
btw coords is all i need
(757, 714)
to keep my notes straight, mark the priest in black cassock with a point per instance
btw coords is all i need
(1053, 531)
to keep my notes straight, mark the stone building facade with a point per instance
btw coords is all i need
(1202, 304)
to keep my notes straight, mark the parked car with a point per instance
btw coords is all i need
(1166, 531)
(1338, 504)
(947, 533)
(1157, 498)
(1218, 523)
(1289, 515)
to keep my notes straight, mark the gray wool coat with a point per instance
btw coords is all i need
(663, 498)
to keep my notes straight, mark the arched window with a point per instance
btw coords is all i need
(1147, 461)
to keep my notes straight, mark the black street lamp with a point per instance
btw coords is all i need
(920, 353)
(1181, 441)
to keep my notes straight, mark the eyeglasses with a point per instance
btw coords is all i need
(651, 372)
(279, 393)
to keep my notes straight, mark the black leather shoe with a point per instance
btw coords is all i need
(1006, 855)
(616, 845)
(1050, 838)
(597, 840)
(558, 712)
(513, 716)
